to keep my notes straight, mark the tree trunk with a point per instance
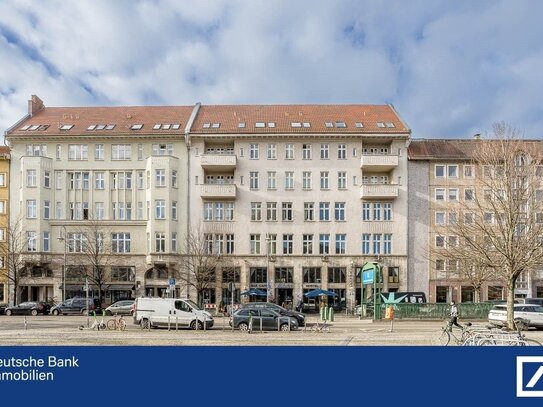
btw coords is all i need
(510, 303)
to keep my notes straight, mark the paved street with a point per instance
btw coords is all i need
(345, 331)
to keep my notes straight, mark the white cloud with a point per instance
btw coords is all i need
(450, 69)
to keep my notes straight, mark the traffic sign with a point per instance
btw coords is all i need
(172, 281)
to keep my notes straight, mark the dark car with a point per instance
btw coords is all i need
(76, 306)
(300, 318)
(27, 308)
(122, 307)
(3, 307)
(265, 317)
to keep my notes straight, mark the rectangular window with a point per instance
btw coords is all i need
(287, 211)
(271, 240)
(98, 151)
(253, 180)
(341, 243)
(47, 179)
(366, 211)
(46, 209)
(254, 243)
(377, 211)
(141, 212)
(78, 152)
(3, 177)
(288, 244)
(336, 275)
(339, 211)
(289, 152)
(58, 180)
(306, 151)
(439, 194)
(452, 171)
(468, 194)
(253, 151)
(440, 241)
(271, 152)
(387, 211)
(307, 244)
(440, 218)
(309, 210)
(58, 208)
(468, 171)
(208, 211)
(342, 152)
(325, 151)
(120, 242)
(256, 211)
(160, 209)
(306, 180)
(453, 194)
(324, 244)
(324, 180)
(229, 244)
(160, 242)
(121, 152)
(31, 209)
(174, 210)
(387, 243)
(174, 178)
(160, 177)
(272, 180)
(219, 211)
(311, 275)
(271, 211)
(324, 211)
(376, 243)
(439, 171)
(341, 180)
(31, 241)
(46, 241)
(99, 180)
(99, 211)
(31, 178)
(289, 180)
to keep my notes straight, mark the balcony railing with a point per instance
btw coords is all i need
(218, 161)
(376, 162)
(218, 191)
(379, 191)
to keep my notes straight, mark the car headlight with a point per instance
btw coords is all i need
(301, 316)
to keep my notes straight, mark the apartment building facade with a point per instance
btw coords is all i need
(444, 181)
(291, 198)
(114, 173)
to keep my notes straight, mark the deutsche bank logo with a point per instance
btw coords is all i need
(529, 376)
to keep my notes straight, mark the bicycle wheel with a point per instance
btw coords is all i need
(531, 342)
(111, 324)
(443, 338)
(122, 325)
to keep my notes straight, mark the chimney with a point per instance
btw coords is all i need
(35, 104)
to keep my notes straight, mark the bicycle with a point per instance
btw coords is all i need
(447, 333)
(96, 325)
(324, 327)
(116, 324)
(502, 337)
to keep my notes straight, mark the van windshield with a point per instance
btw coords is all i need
(193, 305)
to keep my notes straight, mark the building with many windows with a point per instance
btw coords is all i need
(289, 198)
(4, 223)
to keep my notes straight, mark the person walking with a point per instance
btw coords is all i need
(454, 317)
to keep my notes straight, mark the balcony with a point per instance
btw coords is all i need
(378, 191)
(36, 258)
(381, 163)
(218, 162)
(161, 258)
(218, 191)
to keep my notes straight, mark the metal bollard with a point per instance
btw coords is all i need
(176, 326)
(25, 322)
(168, 322)
(260, 325)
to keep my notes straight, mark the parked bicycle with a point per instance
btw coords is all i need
(96, 325)
(116, 323)
(458, 338)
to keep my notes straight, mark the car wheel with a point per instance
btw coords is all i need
(243, 326)
(200, 325)
(56, 312)
(8, 312)
(284, 327)
(34, 312)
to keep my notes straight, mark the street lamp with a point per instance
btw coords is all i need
(62, 238)
(268, 240)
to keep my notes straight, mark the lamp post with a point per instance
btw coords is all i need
(268, 277)
(62, 238)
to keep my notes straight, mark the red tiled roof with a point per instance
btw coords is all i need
(122, 117)
(229, 116)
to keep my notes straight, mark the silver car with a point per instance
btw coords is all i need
(122, 307)
(528, 312)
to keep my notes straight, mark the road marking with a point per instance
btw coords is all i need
(372, 330)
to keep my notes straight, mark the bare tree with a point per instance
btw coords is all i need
(200, 263)
(13, 254)
(500, 230)
(96, 253)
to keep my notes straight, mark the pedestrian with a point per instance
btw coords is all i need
(454, 317)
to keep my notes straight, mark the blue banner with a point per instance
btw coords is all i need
(275, 376)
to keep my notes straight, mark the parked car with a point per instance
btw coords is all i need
(271, 320)
(277, 308)
(529, 312)
(77, 306)
(27, 308)
(161, 312)
(3, 307)
(537, 301)
(122, 307)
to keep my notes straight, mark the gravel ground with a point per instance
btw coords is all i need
(344, 331)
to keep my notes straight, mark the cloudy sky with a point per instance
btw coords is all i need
(451, 68)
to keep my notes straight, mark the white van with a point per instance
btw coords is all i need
(157, 312)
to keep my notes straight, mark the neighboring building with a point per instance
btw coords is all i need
(442, 179)
(295, 197)
(298, 197)
(122, 168)
(4, 222)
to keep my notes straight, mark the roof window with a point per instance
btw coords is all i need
(241, 125)
(359, 125)
(34, 127)
(390, 124)
(24, 128)
(260, 124)
(380, 124)
(136, 127)
(176, 126)
(295, 124)
(110, 126)
(307, 125)
(91, 127)
(101, 127)
(271, 124)
(66, 126)
(206, 125)
(341, 124)
(166, 126)
(157, 126)
(215, 125)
